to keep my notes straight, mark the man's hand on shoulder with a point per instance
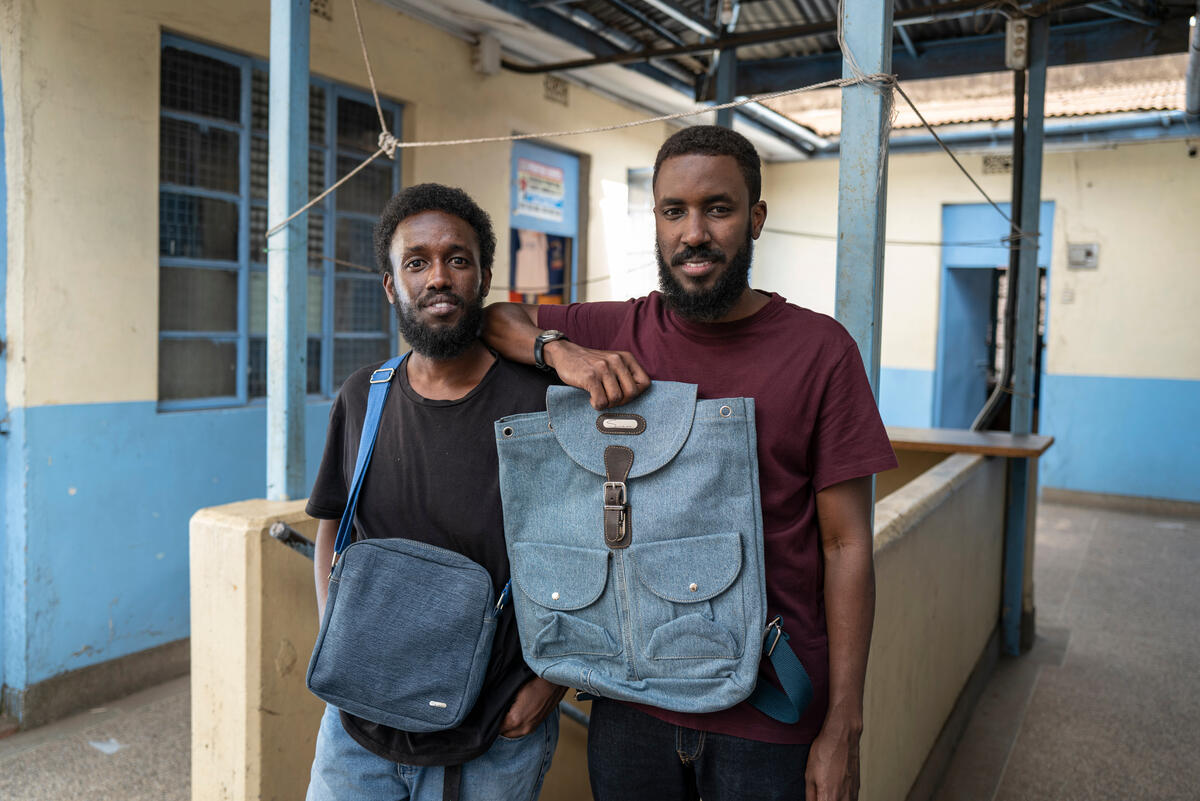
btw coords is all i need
(536, 699)
(833, 769)
(610, 377)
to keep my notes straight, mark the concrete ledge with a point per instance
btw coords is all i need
(938, 565)
(930, 778)
(76, 690)
(1162, 507)
(254, 621)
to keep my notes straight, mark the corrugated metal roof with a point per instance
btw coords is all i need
(1150, 84)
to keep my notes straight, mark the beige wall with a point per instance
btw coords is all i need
(938, 561)
(1130, 317)
(81, 131)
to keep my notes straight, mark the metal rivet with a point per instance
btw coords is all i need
(554, 596)
(550, 426)
(508, 432)
(726, 411)
(693, 586)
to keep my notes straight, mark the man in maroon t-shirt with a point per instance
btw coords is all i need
(820, 440)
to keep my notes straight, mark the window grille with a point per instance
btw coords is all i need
(213, 219)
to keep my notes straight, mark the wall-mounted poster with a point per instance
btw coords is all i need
(540, 190)
(539, 266)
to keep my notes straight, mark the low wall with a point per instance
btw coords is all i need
(938, 563)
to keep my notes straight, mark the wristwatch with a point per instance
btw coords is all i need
(542, 340)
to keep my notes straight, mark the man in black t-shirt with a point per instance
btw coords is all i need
(434, 478)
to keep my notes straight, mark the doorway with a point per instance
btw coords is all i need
(970, 341)
(543, 225)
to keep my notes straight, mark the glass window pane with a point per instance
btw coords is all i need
(355, 245)
(357, 125)
(200, 85)
(360, 305)
(197, 227)
(316, 115)
(366, 192)
(195, 299)
(260, 100)
(258, 237)
(256, 379)
(258, 303)
(196, 155)
(258, 167)
(351, 354)
(316, 172)
(196, 368)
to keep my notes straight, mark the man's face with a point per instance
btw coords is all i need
(705, 227)
(436, 283)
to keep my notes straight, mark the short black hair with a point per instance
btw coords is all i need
(714, 140)
(433, 197)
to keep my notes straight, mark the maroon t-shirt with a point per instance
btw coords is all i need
(818, 425)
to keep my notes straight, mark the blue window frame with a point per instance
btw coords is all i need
(213, 219)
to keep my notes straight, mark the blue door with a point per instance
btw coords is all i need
(968, 308)
(544, 225)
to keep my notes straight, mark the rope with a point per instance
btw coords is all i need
(389, 144)
(362, 41)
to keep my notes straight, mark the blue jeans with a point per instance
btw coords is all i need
(633, 756)
(512, 770)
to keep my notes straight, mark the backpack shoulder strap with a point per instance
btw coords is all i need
(788, 705)
(381, 382)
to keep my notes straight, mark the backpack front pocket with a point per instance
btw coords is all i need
(695, 608)
(563, 599)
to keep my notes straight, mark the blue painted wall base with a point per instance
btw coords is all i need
(106, 496)
(1122, 436)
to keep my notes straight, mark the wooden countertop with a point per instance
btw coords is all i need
(957, 440)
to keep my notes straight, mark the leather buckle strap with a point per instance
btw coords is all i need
(618, 460)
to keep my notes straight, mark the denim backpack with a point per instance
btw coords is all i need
(635, 544)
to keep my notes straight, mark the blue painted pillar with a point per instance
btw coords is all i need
(1016, 620)
(726, 83)
(287, 257)
(862, 180)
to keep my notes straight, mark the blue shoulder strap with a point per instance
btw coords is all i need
(381, 382)
(797, 692)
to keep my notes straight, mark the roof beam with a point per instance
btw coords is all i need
(960, 8)
(566, 30)
(1083, 43)
(684, 17)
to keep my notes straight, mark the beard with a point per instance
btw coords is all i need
(706, 305)
(440, 342)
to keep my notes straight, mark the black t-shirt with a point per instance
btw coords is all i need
(433, 477)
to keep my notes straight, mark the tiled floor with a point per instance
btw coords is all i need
(1106, 705)
(135, 749)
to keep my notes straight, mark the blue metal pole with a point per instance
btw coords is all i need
(287, 257)
(1025, 342)
(862, 180)
(726, 85)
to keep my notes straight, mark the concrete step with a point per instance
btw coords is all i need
(8, 726)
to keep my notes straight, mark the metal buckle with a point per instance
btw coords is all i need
(375, 379)
(619, 486)
(776, 624)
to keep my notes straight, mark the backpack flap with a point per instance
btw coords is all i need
(656, 424)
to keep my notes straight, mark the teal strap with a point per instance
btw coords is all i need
(785, 706)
